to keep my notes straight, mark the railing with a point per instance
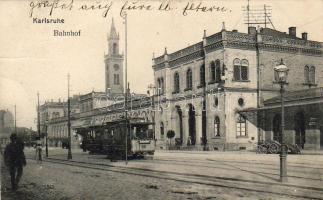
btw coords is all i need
(290, 41)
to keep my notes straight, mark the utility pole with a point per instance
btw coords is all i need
(15, 119)
(38, 116)
(204, 114)
(257, 15)
(46, 147)
(69, 154)
(126, 90)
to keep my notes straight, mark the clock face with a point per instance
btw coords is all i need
(116, 67)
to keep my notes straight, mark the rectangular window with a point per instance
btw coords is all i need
(241, 129)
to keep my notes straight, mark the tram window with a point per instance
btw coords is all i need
(133, 132)
(106, 134)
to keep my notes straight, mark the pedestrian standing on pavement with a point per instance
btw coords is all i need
(15, 159)
(39, 147)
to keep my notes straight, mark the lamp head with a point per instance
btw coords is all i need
(281, 71)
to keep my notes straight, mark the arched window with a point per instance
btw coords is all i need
(312, 75)
(241, 126)
(162, 132)
(217, 71)
(176, 82)
(240, 70)
(158, 86)
(216, 126)
(212, 71)
(202, 75)
(306, 74)
(162, 85)
(244, 69)
(236, 69)
(114, 50)
(189, 81)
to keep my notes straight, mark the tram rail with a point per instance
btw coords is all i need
(287, 190)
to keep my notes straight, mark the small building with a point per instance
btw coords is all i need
(6, 126)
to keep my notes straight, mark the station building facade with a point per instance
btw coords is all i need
(207, 89)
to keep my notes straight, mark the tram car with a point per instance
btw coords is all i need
(113, 138)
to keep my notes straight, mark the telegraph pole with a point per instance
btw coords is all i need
(38, 116)
(204, 114)
(69, 154)
(126, 90)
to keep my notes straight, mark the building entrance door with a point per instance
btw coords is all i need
(191, 124)
(180, 116)
(299, 124)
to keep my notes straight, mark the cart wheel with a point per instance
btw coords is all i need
(262, 148)
(273, 148)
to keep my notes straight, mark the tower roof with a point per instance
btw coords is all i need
(113, 32)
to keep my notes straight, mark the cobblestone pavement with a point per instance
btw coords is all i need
(169, 175)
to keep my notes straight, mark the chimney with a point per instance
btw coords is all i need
(252, 30)
(304, 36)
(292, 31)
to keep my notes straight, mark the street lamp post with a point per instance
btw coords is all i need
(126, 82)
(281, 78)
(69, 153)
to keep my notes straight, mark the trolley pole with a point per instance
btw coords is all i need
(69, 154)
(126, 90)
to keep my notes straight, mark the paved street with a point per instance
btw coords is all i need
(169, 175)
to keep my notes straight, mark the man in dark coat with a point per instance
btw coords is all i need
(15, 159)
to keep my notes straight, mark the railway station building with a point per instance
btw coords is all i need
(217, 94)
(220, 92)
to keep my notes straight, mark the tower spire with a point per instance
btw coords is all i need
(113, 31)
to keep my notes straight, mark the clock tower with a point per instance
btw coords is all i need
(113, 64)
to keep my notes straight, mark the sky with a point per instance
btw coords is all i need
(33, 60)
